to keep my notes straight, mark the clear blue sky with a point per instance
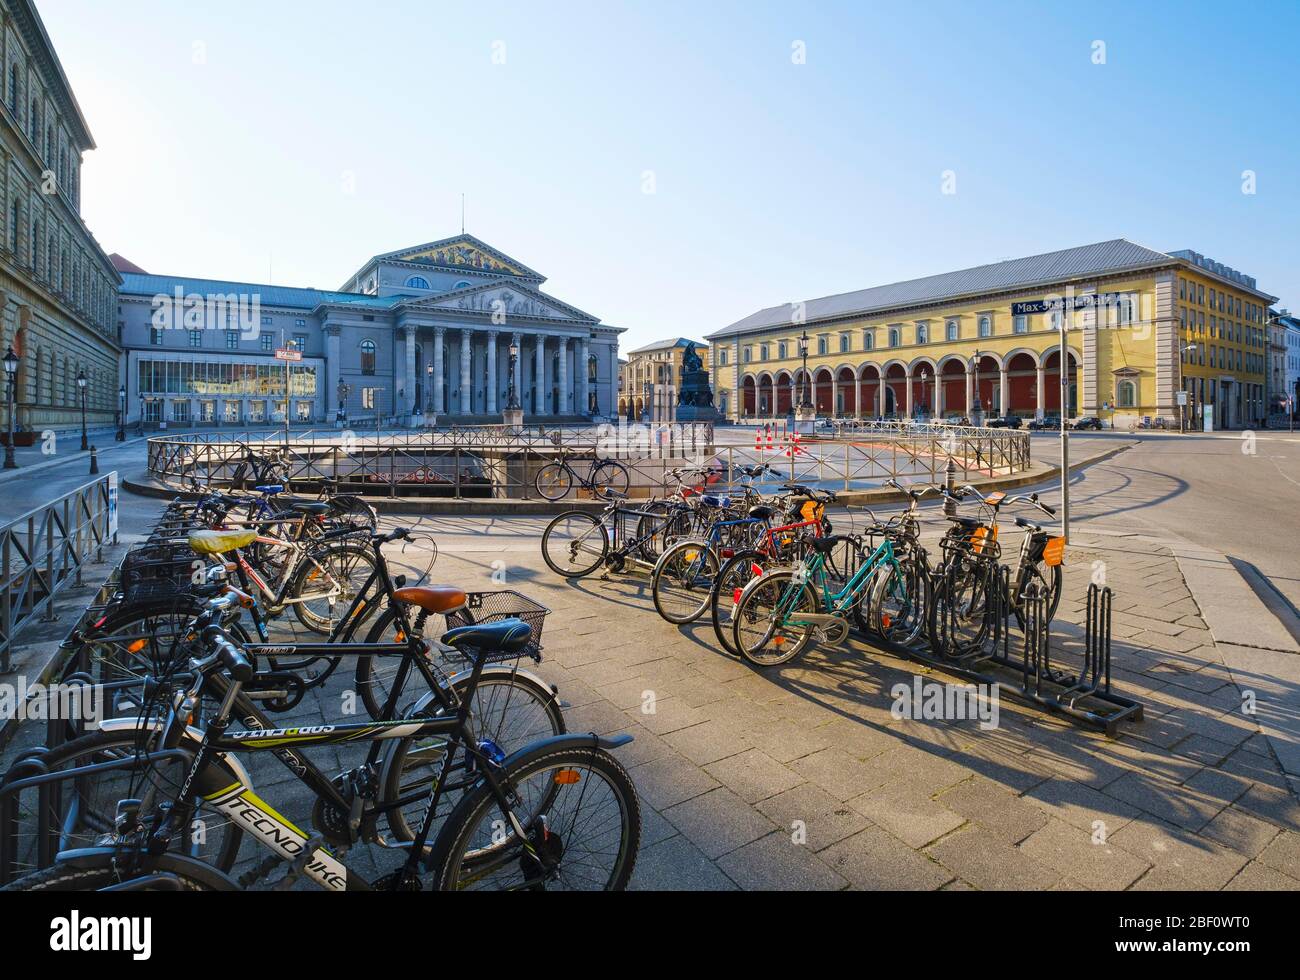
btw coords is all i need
(313, 135)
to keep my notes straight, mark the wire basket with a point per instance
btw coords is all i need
(491, 607)
(155, 565)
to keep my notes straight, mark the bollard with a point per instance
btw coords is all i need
(950, 483)
(94, 461)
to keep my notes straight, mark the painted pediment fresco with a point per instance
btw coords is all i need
(462, 255)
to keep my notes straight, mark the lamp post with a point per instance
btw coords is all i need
(512, 393)
(805, 402)
(121, 414)
(428, 391)
(925, 379)
(11, 373)
(81, 383)
(1182, 409)
(975, 405)
(142, 414)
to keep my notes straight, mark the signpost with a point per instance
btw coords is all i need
(289, 355)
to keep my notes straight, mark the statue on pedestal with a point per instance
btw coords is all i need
(694, 394)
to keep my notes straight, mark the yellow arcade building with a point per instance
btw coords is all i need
(1149, 334)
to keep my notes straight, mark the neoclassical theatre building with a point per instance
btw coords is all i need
(1143, 326)
(418, 334)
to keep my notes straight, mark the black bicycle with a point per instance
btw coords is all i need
(557, 813)
(556, 479)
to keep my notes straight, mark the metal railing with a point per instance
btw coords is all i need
(45, 549)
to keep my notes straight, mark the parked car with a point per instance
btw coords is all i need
(1089, 422)
(1046, 422)
(1004, 422)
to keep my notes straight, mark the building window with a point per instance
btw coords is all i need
(1020, 324)
(823, 345)
(196, 338)
(156, 336)
(300, 323)
(1124, 311)
(417, 282)
(722, 357)
(954, 330)
(986, 326)
(923, 333)
(762, 352)
(368, 359)
(1182, 289)
(868, 340)
(368, 397)
(299, 343)
(781, 351)
(181, 410)
(15, 215)
(747, 354)
(1127, 394)
(266, 321)
(846, 343)
(895, 337)
(232, 340)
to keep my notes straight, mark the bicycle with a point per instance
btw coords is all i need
(576, 543)
(556, 479)
(508, 818)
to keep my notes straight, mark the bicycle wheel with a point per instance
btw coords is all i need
(1051, 578)
(553, 481)
(104, 874)
(683, 580)
(575, 544)
(767, 630)
(612, 475)
(736, 573)
(586, 838)
(511, 709)
(82, 809)
(327, 582)
(958, 624)
(346, 508)
(896, 604)
(657, 534)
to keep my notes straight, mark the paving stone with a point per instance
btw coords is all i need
(1283, 854)
(1175, 804)
(875, 860)
(1077, 856)
(908, 812)
(1240, 831)
(1278, 806)
(977, 856)
(668, 716)
(1256, 877)
(774, 863)
(785, 741)
(707, 742)
(1180, 857)
(754, 775)
(835, 771)
(676, 864)
(670, 780)
(1081, 806)
(1207, 751)
(825, 819)
(718, 821)
(1004, 814)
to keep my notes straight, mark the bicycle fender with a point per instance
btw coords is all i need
(92, 857)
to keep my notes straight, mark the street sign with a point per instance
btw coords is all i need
(1182, 397)
(112, 504)
(288, 354)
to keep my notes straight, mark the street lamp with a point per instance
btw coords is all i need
(121, 414)
(512, 394)
(81, 383)
(11, 372)
(925, 378)
(805, 402)
(975, 406)
(428, 390)
(1182, 409)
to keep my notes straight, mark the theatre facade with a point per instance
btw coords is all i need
(416, 335)
(1143, 326)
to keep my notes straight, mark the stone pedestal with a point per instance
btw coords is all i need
(695, 398)
(805, 420)
(513, 419)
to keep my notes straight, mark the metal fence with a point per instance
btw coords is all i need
(45, 549)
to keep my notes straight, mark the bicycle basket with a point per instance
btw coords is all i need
(490, 607)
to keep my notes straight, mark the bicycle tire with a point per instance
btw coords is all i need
(734, 575)
(346, 559)
(582, 525)
(686, 571)
(790, 643)
(93, 878)
(611, 474)
(369, 678)
(553, 481)
(449, 858)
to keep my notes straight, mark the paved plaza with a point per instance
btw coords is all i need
(800, 776)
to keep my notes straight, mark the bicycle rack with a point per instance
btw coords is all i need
(1030, 674)
(30, 772)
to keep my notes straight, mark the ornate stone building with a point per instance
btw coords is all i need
(57, 287)
(651, 377)
(416, 334)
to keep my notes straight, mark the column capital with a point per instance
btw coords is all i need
(331, 329)
(439, 332)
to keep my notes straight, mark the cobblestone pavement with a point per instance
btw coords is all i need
(800, 777)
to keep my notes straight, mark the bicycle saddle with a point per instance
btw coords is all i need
(313, 507)
(219, 542)
(270, 488)
(506, 635)
(826, 545)
(432, 599)
(762, 512)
